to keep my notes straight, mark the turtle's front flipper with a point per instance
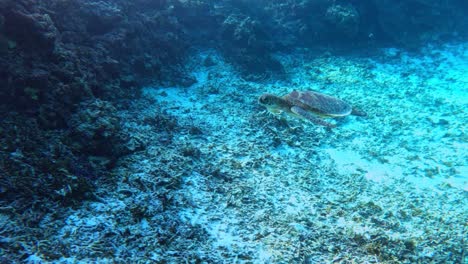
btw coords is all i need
(311, 117)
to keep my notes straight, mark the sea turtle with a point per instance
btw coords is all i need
(309, 105)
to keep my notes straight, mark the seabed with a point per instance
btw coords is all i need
(221, 180)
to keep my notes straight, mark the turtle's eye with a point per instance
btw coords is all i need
(264, 99)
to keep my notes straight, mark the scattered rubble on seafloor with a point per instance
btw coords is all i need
(216, 178)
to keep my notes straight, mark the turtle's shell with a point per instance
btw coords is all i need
(319, 103)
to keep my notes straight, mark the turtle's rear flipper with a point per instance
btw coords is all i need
(311, 117)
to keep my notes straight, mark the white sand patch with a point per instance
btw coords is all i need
(350, 162)
(221, 225)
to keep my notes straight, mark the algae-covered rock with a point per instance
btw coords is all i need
(345, 18)
(95, 127)
(248, 45)
(34, 31)
(37, 165)
(101, 17)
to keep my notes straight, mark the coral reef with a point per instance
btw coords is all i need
(248, 45)
(76, 49)
(344, 18)
(57, 54)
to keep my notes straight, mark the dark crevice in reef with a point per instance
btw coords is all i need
(66, 65)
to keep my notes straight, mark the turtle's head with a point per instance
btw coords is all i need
(272, 102)
(269, 100)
